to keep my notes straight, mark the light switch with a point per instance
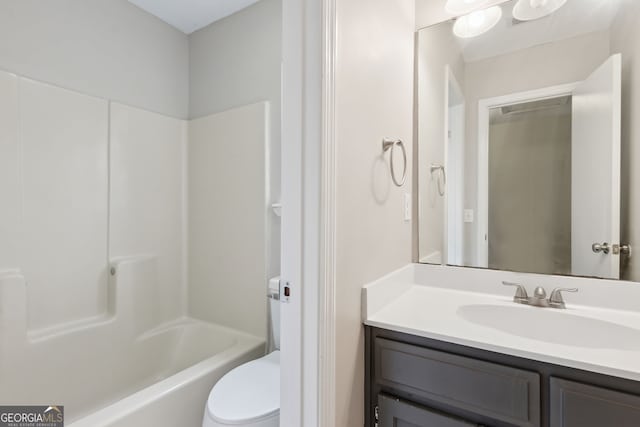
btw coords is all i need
(407, 207)
(468, 215)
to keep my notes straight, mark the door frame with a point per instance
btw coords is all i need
(482, 203)
(308, 217)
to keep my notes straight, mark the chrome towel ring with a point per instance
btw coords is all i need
(390, 144)
(442, 177)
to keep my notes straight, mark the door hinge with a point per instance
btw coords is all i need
(376, 415)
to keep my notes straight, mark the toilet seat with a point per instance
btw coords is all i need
(248, 394)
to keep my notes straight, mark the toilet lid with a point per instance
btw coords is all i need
(248, 393)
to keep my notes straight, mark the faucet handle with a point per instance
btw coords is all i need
(556, 300)
(521, 291)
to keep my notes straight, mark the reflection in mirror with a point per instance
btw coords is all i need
(526, 139)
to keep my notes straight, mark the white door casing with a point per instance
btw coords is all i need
(308, 28)
(291, 244)
(484, 107)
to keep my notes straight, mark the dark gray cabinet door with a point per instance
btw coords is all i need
(508, 395)
(578, 405)
(396, 413)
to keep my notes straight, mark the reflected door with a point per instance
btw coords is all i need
(452, 176)
(595, 178)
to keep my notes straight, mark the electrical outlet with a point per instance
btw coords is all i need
(468, 215)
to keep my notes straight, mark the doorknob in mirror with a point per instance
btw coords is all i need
(604, 248)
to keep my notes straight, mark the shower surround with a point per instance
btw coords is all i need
(95, 226)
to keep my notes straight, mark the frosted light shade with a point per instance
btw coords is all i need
(529, 10)
(462, 7)
(477, 23)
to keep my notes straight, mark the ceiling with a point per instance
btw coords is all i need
(191, 15)
(576, 17)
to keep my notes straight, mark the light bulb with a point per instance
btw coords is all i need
(477, 19)
(477, 23)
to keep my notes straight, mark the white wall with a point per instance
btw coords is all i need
(228, 214)
(625, 36)
(105, 48)
(373, 99)
(565, 61)
(235, 62)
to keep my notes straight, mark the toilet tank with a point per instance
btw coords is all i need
(274, 310)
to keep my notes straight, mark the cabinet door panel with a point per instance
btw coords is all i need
(501, 393)
(396, 413)
(579, 405)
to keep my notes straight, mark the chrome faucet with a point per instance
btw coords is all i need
(539, 298)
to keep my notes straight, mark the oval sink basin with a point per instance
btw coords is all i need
(553, 326)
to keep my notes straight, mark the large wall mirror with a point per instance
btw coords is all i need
(529, 137)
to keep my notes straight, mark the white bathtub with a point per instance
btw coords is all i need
(128, 368)
(176, 367)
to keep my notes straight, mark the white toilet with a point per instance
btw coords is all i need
(249, 395)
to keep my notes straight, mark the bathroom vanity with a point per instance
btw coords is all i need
(524, 126)
(467, 355)
(428, 382)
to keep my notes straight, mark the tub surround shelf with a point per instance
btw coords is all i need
(470, 308)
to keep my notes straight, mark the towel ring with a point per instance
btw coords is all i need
(442, 184)
(390, 144)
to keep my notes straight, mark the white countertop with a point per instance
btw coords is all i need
(416, 300)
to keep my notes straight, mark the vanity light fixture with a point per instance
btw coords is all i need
(529, 10)
(463, 7)
(477, 23)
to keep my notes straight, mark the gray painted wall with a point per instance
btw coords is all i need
(236, 61)
(112, 49)
(529, 211)
(105, 48)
